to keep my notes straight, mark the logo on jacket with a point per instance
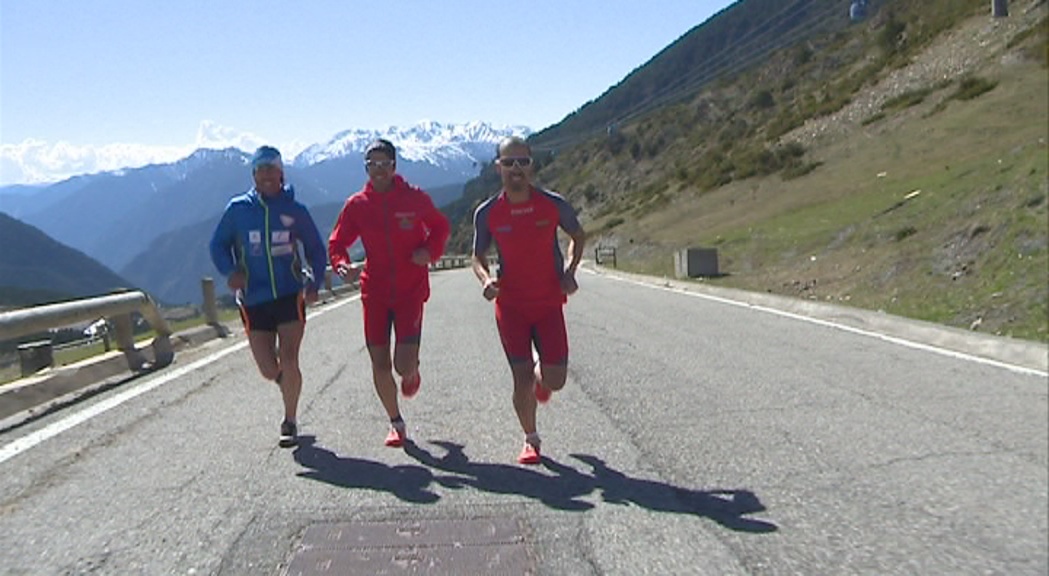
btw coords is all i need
(287, 220)
(255, 242)
(406, 219)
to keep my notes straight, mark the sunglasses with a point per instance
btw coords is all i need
(384, 164)
(520, 161)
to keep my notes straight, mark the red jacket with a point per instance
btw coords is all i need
(391, 225)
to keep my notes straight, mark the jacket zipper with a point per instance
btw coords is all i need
(389, 244)
(269, 255)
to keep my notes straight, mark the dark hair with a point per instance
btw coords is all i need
(511, 141)
(381, 145)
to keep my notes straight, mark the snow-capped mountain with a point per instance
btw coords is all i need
(444, 145)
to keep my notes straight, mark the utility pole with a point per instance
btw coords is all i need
(999, 8)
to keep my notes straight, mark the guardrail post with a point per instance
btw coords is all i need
(211, 309)
(125, 334)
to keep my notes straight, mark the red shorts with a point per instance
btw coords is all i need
(520, 327)
(406, 319)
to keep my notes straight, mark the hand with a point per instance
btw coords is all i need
(421, 256)
(491, 289)
(348, 272)
(568, 283)
(309, 295)
(237, 281)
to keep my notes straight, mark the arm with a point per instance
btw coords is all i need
(568, 222)
(481, 242)
(438, 230)
(342, 237)
(223, 242)
(314, 247)
(576, 246)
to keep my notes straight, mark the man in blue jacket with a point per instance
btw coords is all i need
(255, 246)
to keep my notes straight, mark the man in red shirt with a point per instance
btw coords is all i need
(402, 233)
(533, 283)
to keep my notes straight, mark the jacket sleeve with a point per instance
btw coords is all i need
(314, 247)
(343, 235)
(439, 228)
(223, 242)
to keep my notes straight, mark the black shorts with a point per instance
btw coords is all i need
(267, 316)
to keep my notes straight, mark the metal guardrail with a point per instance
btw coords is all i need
(117, 308)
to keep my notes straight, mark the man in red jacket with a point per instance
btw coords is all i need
(402, 233)
(533, 284)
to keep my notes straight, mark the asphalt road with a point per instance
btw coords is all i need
(693, 437)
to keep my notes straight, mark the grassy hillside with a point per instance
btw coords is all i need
(36, 269)
(897, 165)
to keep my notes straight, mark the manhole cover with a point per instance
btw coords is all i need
(432, 547)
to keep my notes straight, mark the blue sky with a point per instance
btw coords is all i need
(111, 83)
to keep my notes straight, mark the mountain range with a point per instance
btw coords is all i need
(146, 222)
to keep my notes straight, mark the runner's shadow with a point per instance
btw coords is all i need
(558, 492)
(726, 507)
(409, 483)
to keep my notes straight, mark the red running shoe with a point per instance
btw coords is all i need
(529, 455)
(395, 439)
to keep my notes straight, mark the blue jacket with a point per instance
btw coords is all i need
(259, 236)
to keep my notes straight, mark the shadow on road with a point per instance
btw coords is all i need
(409, 483)
(558, 491)
(726, 507)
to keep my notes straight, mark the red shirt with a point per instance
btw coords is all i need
(525, 234)
(391, 225)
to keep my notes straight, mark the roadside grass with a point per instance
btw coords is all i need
(967, 249)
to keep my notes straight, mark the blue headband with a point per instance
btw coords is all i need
(266, 156)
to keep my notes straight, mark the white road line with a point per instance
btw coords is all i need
(26, 442)
(844, 327)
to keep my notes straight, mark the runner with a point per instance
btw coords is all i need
(255, 245)
(533, 283)
(402, 233)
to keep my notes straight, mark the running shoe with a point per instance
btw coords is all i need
(529, 455)
(396, 438)
(289, 435)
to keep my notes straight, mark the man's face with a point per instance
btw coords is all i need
(269, 179)
(380, 169)
(515, 167)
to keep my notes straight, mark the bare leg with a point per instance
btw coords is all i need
(554, 376)
(264, 348)
(382, 375)
(524, 395)
(290, 334)
(406, 359)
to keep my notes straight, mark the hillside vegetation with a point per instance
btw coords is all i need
(899, 164)
(31, 259)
